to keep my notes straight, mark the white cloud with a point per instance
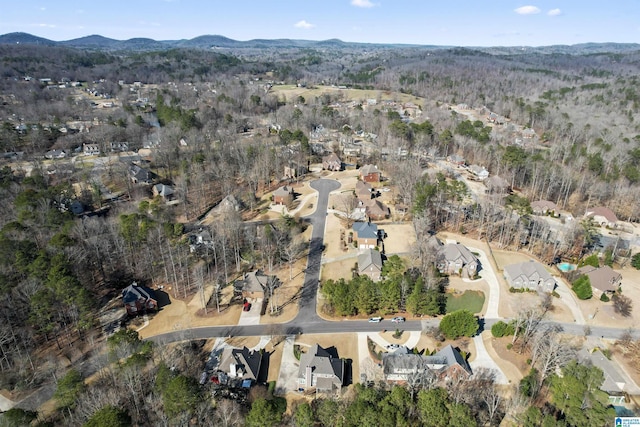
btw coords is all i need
(362, 3)
(303, 24)
(554, 12)
(527, 10)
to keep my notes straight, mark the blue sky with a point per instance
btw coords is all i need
(444, 22)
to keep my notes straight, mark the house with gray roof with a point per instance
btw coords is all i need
(529, 275)
(321, 370)
(602, 216)
(603, 279)
(543, 207)
(370, 264)
(456, 258)
(366, 234)
(241, 363)
(446, 365)
(255, 284)
(479, 171)
(614, 383)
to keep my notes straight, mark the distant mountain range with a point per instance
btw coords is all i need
(215, 41)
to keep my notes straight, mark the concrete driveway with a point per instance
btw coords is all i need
(288, 375)
(251, 317)
(484, 360)
(489, 275)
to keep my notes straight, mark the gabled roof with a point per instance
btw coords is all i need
(247, 362)
(133, 293)
(163, 190)
(322, 363)
(367, 169)
(283, 191)
(602, 211)
(543, 205)
(376, 208)
(366, 230)
(368, 258)
(455, 251)
(331, 158)
(604, 278)
(528, 269)
(257, 281)
(404, 361)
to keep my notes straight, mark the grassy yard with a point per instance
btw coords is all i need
(469, 300)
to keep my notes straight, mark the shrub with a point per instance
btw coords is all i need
(297, 352)
(635, 261)
(591, 260)
(397, 334)
(501, 329)
(604, 297)
(461, 323)
(582, 287)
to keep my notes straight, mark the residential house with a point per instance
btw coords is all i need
(496, 185)
(543, 207)
(528, 133)
(164, 191)
(364, 191)
(602, 216)
(350, 149)
(614, 383)
(529, 275)
(228, 204)
(332, 162)
(241, 363)
(55, 154)
(140, 175)
(603, 279)
(201, 239)
(366, 234)
(119, 146)
(293, 170)
(283, 195)
(256, 284)
(90, 149)
(138, 299)
(320, 369)
(370, 173)
(456, 159)
(455, 258)
(370, 264)
(376, 210)
(446, 365)
(479, 172)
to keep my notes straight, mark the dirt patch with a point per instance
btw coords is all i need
(517, 360)
(338, 269)
(240, 342)
(275, 359)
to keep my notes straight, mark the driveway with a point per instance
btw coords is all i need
(566, 295)
(288, 376)
(484, 360)
(489, 275)
(251, 317)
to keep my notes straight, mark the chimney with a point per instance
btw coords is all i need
(308, 377)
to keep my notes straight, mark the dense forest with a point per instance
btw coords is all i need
(218, 126)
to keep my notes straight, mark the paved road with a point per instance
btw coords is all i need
(308, 298)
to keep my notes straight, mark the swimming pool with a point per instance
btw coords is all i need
(565, 267)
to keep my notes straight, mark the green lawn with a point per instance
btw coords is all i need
(469, 300)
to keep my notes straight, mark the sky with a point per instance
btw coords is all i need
(424, 22)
